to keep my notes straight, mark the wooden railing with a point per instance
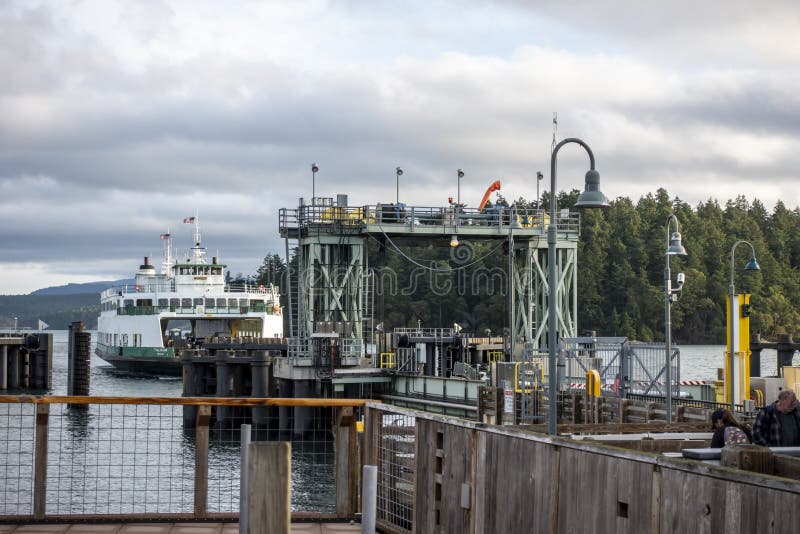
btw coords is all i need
(123, 457)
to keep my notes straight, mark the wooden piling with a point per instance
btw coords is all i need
(268, 496)
(78, 361)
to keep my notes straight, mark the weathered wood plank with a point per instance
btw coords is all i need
(269, 481)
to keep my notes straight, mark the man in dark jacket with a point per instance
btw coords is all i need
(778, 425)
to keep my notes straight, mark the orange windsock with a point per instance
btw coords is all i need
(492, 188)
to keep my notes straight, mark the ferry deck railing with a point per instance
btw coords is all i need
(132, 458)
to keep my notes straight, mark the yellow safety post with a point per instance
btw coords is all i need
(741, 350)
(593, 383)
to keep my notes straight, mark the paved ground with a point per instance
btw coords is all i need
(169, 528)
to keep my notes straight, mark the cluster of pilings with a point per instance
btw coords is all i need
(26, 361)
(784, 346)
(244, 369)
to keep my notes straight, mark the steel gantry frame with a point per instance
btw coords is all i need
(329, 284)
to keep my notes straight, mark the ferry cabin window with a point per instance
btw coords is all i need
(243, 302)
(186, 303)
(233, 303)
(198, 302)
(209, 303)
(163, 303)
(216, 270)
(128, 302)
(124, 340)
(175, 303)
(144, 302)
(221, 303)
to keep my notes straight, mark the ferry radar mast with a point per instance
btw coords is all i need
(166, 265)
(198, 251)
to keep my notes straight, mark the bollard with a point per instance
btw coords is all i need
(243, 458)
(369, 496)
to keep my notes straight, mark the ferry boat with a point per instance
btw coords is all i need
(187, 303)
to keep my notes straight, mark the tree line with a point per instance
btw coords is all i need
(621, 263)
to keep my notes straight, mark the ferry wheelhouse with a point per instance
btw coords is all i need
(187, 303)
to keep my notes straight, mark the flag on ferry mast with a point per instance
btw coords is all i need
(165, 236)
(43, 325)
(188, 219)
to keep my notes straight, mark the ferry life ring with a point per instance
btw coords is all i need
(138, 288)
(261, 289)
(276, 308)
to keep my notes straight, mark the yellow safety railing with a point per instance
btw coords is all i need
(388, 360)
(495, 356)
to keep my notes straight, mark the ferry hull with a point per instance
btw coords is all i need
(156, 361)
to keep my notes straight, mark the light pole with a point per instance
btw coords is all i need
(674, 248)
(314, 170)
(458, 198)
(752, 265)
(398, 173)
(539, 178)
(590, 198)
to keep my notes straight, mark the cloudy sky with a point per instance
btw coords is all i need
(118, 119)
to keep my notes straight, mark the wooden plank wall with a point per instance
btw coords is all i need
(523, 482)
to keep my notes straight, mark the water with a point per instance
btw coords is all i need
(700, 362)
(136, 459)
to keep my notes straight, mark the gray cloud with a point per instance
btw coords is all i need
(116, 125)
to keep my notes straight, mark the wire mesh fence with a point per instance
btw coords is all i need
(393, 445)
(147, 457)
(16, 458)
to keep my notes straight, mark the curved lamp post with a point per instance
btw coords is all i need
(752, 265)
(674, 248)
(590, 198)
(398, 172)
(314, 171)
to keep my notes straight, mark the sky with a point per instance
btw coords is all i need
(118, 119)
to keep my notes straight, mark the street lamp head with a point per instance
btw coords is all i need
(752, 265)
(592, 197)
(460, 173)
(398, 171)
(314, 167)
(675, 247)
(539, 176)
(454, 240)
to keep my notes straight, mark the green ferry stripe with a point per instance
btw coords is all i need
(137, 352)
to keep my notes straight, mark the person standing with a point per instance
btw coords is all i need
(778, 425)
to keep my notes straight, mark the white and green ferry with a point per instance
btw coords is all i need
(187, 303)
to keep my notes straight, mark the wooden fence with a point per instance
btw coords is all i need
(475, 478)
(140, 440)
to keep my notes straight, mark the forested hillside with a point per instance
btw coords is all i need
(58, 311)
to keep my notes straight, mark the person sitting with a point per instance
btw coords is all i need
(728, 430)
(778, 425)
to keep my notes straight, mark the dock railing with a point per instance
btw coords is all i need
(131, 458)
(441, 474)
